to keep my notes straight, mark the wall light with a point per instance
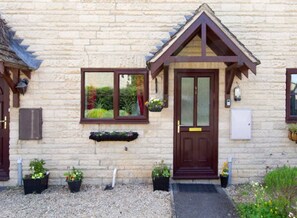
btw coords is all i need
(22, 86)
(237, 93)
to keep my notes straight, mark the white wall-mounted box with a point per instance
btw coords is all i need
(241, 124)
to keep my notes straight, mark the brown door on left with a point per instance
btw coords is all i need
(4, 130)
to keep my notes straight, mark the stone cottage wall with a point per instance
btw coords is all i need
(70, 34)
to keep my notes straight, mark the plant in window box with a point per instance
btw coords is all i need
(155, 105)
(74, 179)
(160, 176)
(37, 180)
(224, 176)
(292, 135)
(113, 136)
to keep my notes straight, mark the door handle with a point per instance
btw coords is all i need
(4, 121)
(178, 126)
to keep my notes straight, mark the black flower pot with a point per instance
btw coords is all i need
(35, 185)
(156, 109)
(224, 181)
(74, 186)
(161, 183)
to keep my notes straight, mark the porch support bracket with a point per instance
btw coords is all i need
(165, 85)
(11, 82)
(229, 77)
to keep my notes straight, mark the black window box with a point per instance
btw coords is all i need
(113, 136)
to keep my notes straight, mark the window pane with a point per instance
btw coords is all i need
(187, 103)
(203, 99)
(99, 95)
(293, 94)
(131, 95)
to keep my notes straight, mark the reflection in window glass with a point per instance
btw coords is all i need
(203, 99)
(99, 95)
(187, 101)
(293, 95)
(131, 95)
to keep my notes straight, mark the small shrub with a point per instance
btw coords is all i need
(282, 185)
(263, 206)
(37, 168)
(128, 99)
(225, 169)
(74, 175)
(105, 98)
(160, 170)
(96, 113)
(293, 128)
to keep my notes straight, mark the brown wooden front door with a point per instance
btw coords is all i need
(4, 130)
(196, 124)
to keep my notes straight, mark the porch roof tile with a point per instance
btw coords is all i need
(12, 52)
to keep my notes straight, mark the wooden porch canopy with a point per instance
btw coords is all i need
(14, 59)
(227, 48)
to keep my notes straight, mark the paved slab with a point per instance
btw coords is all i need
(2, 188)
(201, 200)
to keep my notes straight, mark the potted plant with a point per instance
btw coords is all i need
(37, 180)
(292, 135)
(74, 179)
(155, 105)
(160, 176)
(224, 176)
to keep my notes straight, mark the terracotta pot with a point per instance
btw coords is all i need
(290, 135)
(294, 136)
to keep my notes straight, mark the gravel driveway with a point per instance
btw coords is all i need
(91, 201)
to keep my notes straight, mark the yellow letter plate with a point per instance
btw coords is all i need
(195, 129)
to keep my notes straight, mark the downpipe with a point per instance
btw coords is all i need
(110, 187)
(20, 171)
(114, 177)
(230, 170)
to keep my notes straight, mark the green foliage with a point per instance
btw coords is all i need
(267, 209)
(128, 99)
(281, 179)
(123, 113)
(104, 98)
(293, 128)
(160, 170)
(96, 113)
(264, 206)
(74, 175)
(37, 168)
(276, 199)
(154, 103)
(225, 169)
(282, 185)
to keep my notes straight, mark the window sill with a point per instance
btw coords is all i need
(114, 121)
